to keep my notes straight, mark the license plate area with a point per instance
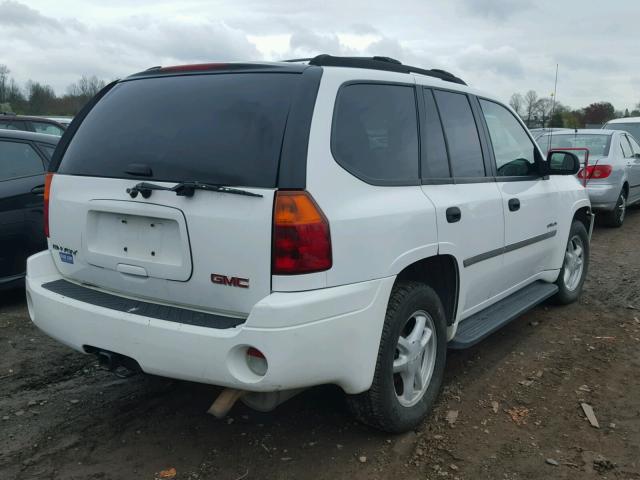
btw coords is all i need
(148, 236)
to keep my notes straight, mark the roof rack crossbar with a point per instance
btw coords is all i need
(378, 63)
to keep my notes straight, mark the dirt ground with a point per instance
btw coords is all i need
(517, 396)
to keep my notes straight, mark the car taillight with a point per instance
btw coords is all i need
(301, 237)
(47, 192)
(595, 171)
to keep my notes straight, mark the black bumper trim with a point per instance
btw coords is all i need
(138, 307)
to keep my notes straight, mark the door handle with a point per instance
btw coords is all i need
(514, 204)
(453, 214)
(39, 190)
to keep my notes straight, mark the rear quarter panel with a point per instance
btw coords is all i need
(375, 231)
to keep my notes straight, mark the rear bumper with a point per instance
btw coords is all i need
(309, 338)
(603, 196)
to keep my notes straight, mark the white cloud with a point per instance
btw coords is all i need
(500, 46)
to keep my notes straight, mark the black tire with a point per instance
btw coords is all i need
(380, 407)
(566, 294)
(615, 218)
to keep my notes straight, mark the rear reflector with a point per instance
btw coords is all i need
(301, 237)
(257, 362)
(47, 192)
(595, 172)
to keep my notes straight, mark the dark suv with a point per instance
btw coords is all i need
(10, 121)
(24, 157)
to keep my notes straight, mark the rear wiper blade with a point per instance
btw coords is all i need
(186, 189)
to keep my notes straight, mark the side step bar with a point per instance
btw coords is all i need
(482, 324)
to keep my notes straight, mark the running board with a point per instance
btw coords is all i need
(482, 324)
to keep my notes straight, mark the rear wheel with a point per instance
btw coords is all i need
(615, 218)
(575, 265)
(410, 363)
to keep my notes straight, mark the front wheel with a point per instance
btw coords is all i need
(575, 265)
(410, 364)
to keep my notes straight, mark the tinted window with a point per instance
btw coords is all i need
(47, 149)
(9, 125)
(375, 132)
(223, 128)
(514, 151)
(49, 128)
(461, 133)
(435, 163)
(18, 160)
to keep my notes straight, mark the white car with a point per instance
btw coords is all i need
(629, 124)
(270, 227)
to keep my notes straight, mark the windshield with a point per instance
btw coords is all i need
(632, 128)
(598, 145)
(224, 129)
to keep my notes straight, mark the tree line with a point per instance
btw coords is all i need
(36, 98)
(538, 111)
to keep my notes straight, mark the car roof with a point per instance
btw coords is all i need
(624, 120)
(31, 136)
(584, 131)
(11, 116)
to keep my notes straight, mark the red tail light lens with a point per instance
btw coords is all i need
(595, 172)
(301, 238)
(47, 192)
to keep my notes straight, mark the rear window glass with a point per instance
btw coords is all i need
(598, 144)
(224, 129)
(375, 133)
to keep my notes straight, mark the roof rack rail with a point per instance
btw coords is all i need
(378, 63)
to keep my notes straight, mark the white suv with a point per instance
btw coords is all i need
(271, 227)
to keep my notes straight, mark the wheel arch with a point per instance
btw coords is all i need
(583, 214)
(440, 272)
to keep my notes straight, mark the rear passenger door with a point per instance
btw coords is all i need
(468, 203)
(21, 203)
(529, 200)
(633, 169)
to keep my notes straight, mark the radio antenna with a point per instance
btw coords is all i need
(553, 107)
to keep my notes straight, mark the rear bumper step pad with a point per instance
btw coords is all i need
(137, 307)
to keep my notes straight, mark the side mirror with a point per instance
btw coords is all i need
(561, 162)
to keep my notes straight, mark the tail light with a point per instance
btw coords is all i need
(301, 238)
(595, 172)
(47, 192)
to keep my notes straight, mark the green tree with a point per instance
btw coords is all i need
(557, 120)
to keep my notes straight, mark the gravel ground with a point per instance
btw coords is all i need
(511, 406)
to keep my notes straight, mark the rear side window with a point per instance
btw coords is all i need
(48, 128)
(223, 128)
(634, 145)
(375, 133)
(435, 164)
(19, 160)
(463, 141)
(47, 149)
(12, 125)
(625, 146)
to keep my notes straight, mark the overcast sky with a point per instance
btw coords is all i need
(500, 46)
